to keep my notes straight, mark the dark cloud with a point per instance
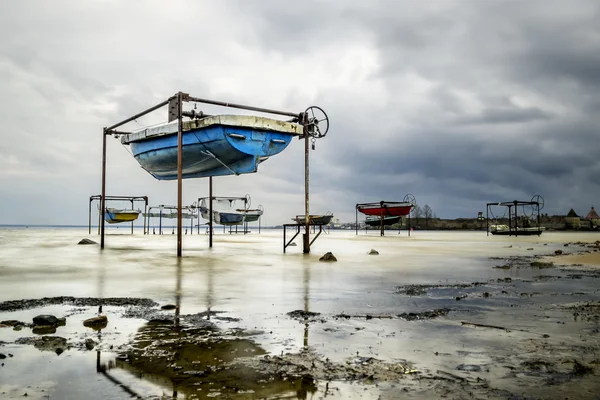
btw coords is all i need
(459, 103)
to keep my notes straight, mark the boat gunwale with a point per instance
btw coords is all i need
(237, 121)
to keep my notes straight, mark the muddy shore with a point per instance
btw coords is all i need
(513, 337)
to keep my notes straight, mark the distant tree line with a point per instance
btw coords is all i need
(425, 212)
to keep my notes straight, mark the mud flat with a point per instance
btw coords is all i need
(526, 327)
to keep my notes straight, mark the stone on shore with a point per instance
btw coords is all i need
(373, 252)
(98, 322)
(43, 329)
(328, 257)
(90, 344)
(45, 320)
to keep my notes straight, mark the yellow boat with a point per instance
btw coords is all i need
(115, 216)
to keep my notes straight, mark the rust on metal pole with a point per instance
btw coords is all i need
(179, 172)
(210, 212)
(306, 246)
(103, 198)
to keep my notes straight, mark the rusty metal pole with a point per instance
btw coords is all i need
(103, 198)
(131, 221)
(146, 218)
(99, 217)
(90, 218)
(210, 212)
(179, 171)
(487, 220)
(306, 244)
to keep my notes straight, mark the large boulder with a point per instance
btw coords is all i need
(373, 252)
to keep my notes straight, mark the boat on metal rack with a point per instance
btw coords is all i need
(252, 215)
(225, 212)
(518, 231)
(115, 216)
(386, 208)
(212, 146)
(314, 219)
(377, 221)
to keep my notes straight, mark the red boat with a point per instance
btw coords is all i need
(386, 208)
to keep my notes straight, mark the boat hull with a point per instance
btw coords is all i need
(314, 219)
(386, 209)
(252, 216)
(520, 232)
(386, 221)
(210, 148)
(116, 216)
(222, 218)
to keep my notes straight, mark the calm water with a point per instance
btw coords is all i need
(249, 277)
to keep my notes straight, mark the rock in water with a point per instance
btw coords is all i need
(43, 329)
(168, 307)
(90, 344)
(373, 252)
(45, 320)
(328, 257)
(98, 322)
(86, 241)
(558, 252)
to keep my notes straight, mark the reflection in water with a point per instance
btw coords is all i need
(190, 358)
(306, 281)
(104, 368)
(209, 292)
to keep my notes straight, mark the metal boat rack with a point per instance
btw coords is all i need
(408, 198)
(536, 203)
(100, 197)
(162, 215)
(287, 243)
(307, 119)
(210, 230)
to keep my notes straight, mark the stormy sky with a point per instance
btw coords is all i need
(457, 102)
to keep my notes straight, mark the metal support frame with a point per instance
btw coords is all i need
(210, 211)
(381, 218)
(512, 222)
(287, 243)
(103, 200)
(176, 112)
(162, 207)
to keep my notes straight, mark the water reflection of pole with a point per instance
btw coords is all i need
(178, 294)
(102, 369)
(306, 281)
(209, 292)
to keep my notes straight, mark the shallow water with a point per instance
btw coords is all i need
(247, 277)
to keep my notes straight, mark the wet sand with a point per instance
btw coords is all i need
(436, 315)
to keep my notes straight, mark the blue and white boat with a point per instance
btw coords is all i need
(212, 146)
